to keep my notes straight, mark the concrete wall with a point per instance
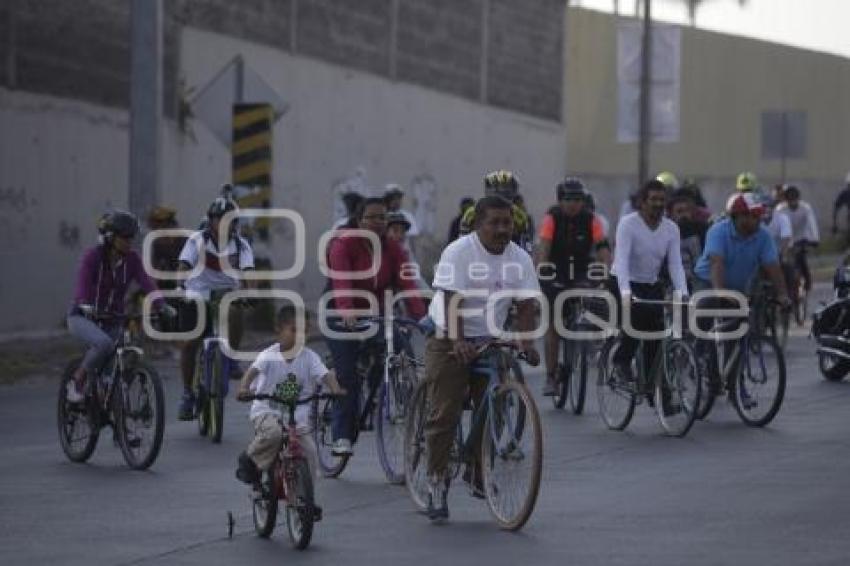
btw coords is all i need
(726, 83)
(63, 162)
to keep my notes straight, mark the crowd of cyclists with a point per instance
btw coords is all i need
(490, 275)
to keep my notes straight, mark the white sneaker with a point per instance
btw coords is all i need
(72, 393)
(342, 447)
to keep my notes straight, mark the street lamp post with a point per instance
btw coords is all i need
(645, 94)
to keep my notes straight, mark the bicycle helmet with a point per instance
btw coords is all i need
(220, 206)
(744, 203)
(668, 179)
(501, 183)
(397, 218)
(118, 223)
(746, 182)
(571, 188)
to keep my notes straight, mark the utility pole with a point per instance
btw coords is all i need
(645, 95)
(145, 104)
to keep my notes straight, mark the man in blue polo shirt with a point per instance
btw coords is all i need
(736, 247)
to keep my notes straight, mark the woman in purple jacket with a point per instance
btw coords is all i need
(106, 272)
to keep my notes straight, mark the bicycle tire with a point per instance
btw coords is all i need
(265, 503)
(84, 411)
(202, 406)
(145, 374)
(782, 323)
(498, 454)
(609, 390)
(765, 350)
(578, 379)
(300, 514)
(688, 405)
(562, 378)
(393, 398)
(801, 304)
(834, 370)
(416, 448)
(216, 396)
(331, 466)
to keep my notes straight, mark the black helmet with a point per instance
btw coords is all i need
(118, 223)
(221, 206)
(571, 188)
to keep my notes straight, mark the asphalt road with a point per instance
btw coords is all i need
(725, 494)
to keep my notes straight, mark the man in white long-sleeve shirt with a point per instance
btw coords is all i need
(645, 239)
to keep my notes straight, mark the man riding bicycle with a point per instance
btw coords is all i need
(204, 246)
(469, 272)
(735, 249)
(106, 272)
(645, 240)
(571, 237)
(804, 232)
(353, 253)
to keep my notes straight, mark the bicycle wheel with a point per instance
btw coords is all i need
(677, 388)
(393, 400)
(801, 306)
(202, 406)
(416, 447)
(78, 432)
(301, 506)
(707, 394)
(578, 378)
(616, 399)
(511, 455)
(562, 384)
(832, 367)
(330, 465)
(760, 384)
(782, 321)
(265, 503)
(140, 416)
(216, 396)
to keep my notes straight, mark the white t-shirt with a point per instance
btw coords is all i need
(212, 277)
(273, 368)
(640, 252)
(466, 266)
(779, 228)
(804, 224)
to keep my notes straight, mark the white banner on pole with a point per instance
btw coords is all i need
(666, 60)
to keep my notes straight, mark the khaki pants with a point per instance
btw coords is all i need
(448, 382)
(268, 436)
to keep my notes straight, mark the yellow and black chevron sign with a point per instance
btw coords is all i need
(252, 157)
(252, 152)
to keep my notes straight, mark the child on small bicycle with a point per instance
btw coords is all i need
(287, 357)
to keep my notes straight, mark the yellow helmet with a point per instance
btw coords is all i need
(668, 179)
(746, 182)
(501, 183)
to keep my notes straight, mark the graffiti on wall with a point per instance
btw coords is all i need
(15, 221)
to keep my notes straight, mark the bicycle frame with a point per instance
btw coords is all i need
(488, 366)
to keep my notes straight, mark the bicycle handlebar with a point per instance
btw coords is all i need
(363, 323)
(282, 401)
(662, 302)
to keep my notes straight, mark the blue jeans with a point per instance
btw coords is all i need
(99, 339)
(347, 410)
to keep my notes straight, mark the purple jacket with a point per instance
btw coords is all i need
(106, 288)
